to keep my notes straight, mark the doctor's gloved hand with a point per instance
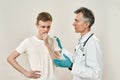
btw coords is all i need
(58, 41)
(66, 63)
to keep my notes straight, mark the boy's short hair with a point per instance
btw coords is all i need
(44, 16)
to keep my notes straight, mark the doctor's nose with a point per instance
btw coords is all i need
(73, 24)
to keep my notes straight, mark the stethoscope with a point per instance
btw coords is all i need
(82, 47)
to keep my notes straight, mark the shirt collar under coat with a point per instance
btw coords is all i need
(83, 38)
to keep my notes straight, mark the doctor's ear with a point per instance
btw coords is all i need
(87, 24)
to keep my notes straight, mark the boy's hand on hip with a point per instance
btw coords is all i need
(32, 74)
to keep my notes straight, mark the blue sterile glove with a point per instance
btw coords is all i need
(58, 41)
(66, 63)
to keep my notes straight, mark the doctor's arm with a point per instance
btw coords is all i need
(93, 64)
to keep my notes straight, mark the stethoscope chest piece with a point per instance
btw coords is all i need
(82, 49)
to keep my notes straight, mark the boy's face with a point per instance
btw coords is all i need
(43, 27)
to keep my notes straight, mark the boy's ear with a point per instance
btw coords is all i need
(36, 25)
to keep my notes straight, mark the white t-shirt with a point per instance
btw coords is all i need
(39, 56)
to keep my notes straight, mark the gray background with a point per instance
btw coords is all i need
(17, 21)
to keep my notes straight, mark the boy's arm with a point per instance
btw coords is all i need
(12, 60)
(54, 54)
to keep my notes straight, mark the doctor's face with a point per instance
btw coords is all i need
(43, 27)
(79, 23)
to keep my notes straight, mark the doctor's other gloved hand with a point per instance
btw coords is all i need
(58, 42)
(66, 63)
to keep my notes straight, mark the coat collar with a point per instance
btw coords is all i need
(83, 38)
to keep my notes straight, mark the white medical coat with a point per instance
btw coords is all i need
(87, 63)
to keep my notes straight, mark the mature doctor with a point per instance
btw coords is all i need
(86, 63)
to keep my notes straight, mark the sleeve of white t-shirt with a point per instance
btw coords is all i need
(22, 47)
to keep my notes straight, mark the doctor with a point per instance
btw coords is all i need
(86, 62)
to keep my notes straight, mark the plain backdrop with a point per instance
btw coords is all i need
(17, 21)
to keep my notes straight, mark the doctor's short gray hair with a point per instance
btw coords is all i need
(87, 15)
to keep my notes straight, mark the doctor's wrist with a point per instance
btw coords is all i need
(70, 68)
